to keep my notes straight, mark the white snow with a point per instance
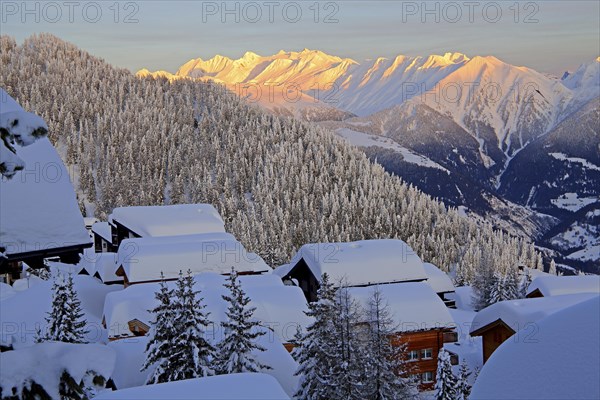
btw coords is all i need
(572, 201)
(414, 306)
(551, 285)
(365, 262)
(39, 208)
(585, 163)
(279, 307)
(144, 259)
(590, 253)
(22, 313)
(6, 291)
(463, 296)
(439, 281)
(104, 267)
(44, 363)
(523, 314)
(103, 230)
(560, 361)
(180, 219)
(245, 386)
(361, 139)
(23, 128)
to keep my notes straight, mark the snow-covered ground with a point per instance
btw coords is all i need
(361, 139)
(572, 202)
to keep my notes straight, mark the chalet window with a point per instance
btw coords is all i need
(413, 355)
(427, 377)
(427, 354)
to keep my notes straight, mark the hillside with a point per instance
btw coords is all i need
(279, 183)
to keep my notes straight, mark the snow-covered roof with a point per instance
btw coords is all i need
(246, 386)
(144, 259)
(414, 305)
(23, 129)
(39, 209)
(278, 306)
(522, 313)
(558, 361)
(44, 363)
(438, 279)
(103, 230)
(556, 285)
(105, 266)
(180, 219)
(365, 262)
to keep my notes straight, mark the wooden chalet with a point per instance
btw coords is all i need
(355, 264)
(550, 285)
(39, 215)
(144, 260)
(103, 240)
(161, 221)
(423, 321)
(501, 321)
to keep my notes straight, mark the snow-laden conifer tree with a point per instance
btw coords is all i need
(350, 355)
(552, 270)
(525, 282)
(234, 352)
(162, 335)
(388, 373)
(445, 386)
(462, 387)
(317, 351)
(192, 355)
(65, 322)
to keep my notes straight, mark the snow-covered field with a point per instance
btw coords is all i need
(361, 139)
(572, 202)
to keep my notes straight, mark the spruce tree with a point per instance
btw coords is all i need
(241, 332)
(318, 347)
(65, 321)
(350, 353)
(162, 335)
(191, 354)
(387, 370)
(445, 386)
(462, 387)
(552, 270)
(525, 282)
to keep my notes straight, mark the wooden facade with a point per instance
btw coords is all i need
(493, 335)
(120, 232)
(422, 348)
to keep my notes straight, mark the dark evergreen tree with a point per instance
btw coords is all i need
(463, 388)
(240, 333)
(317, 352)
(65, 322)
(388, 373)
(162, 336)
(191, 355)
(445, 386)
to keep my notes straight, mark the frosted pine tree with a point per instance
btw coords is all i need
(318, 347)
(445, 386)
(483, 285)
(552, 270)
(350, 353)
(162, 335)
(387, 377)
(65, 321)
(191, 354)
(525, 282)
(462, 387)
(241, 332)
(511, 284)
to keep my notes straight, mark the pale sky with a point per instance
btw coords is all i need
(550, 36)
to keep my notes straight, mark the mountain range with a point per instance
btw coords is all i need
(507, 143)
